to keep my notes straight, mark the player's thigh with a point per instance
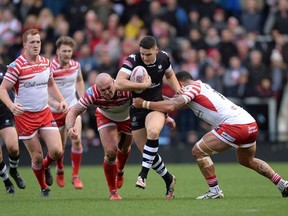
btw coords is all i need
(140, 138)
(34, 148)
(246, 154)
(211, 144)
(154, 123)
(52, 139)
(109, 138)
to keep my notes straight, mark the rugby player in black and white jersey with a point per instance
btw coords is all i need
(147, 124)
(9, 135)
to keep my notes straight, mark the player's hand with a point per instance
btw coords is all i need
(147, 81)
(16, 109)
(137, 102)
(170, 122)
(72, 133)
(63, 107)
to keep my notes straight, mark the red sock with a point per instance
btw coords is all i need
(110, 171)
(39, 172)
(60, 164)
(76, 156)
(121, 159)
(47, 160)
(275, 178)
(212, 181)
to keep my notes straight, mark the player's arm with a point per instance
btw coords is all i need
(74, 111)
(166, 106)
(55, 93)
(172, 81)
(15, 108)
(80, 88)
(122, 82)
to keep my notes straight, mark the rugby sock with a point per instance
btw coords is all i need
(39, 172)
(4, 174)
(159, 166)
(121, 159)
(60, 164)
(13, 162)
(275, 178)
(76, 157)
(278, 181)
(213, 184)
(47, 161)
(149, 152)
(110, 171)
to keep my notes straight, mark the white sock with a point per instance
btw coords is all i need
(215, 189)
(282, 184)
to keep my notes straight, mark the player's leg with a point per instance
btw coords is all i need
(5, 177)
(52, 139)
(34, 148)
(124, 149)
(76, 155)
(246, 158)
(60, 177)
(109, 139)
(209, 144)
(154, 123)
(10, 138)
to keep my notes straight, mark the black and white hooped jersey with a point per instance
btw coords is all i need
(156, 71)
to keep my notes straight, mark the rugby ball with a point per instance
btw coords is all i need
(137, 75)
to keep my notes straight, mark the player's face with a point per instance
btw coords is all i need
(148, 56)
(107, 90)
(64, 53)
(33, 45)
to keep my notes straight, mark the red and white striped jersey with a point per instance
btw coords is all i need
(30, 82)
(213, 107)
(66, 78)
(116, 109)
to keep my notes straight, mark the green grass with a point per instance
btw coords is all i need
(246, 193)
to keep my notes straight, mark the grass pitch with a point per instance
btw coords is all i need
(246, 193)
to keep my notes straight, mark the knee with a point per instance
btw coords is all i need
(111, 153)
(153, 134)
(13, 150)
(56, 154)
(197, 152)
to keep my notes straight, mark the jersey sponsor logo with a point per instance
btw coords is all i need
(34, 84)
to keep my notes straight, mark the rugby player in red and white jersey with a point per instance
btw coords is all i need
(233, 127)
(32, 79)
(113, 124)
(68, 77)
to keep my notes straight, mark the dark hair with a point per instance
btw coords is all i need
(65, 40)
(148, 42)
(183, 76)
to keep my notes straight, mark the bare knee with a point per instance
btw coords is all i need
(153, 134)
(111, 154)
(13, 150)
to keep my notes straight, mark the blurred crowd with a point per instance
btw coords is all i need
(239, 47)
